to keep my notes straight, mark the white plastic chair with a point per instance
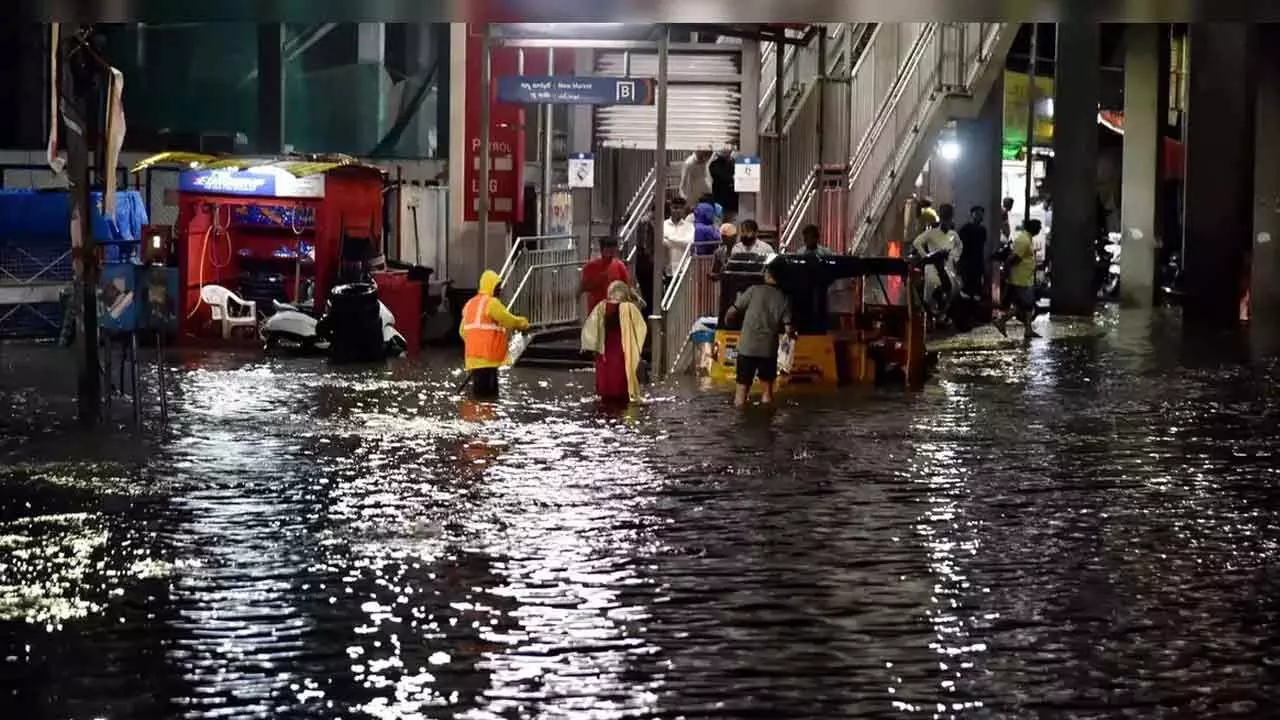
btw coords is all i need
(229, 309)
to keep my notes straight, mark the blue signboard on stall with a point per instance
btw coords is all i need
(254, 182)
(574, 90)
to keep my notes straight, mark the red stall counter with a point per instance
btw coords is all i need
(403, 297)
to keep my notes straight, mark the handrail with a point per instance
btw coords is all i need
(859, 158)
(677, 279)
(534, 320)
(901, 148)
(769, 74)
(635, 213)
(792, 222)
(519, 245)
(835, 51)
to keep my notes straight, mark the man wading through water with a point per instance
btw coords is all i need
(765, 312)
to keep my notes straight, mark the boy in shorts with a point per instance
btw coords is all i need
(765, 312)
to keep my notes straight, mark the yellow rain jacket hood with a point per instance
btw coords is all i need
(497, 312)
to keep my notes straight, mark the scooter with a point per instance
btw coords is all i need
(1107, 258)
(291, 329)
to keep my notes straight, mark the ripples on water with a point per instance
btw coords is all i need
(1082, 529)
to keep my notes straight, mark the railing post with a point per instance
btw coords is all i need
(659, 200)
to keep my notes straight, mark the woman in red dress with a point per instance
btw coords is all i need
(615, 332)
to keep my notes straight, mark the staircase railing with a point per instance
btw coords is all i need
(532, 250)
(797, 151)
(799, 67)
(944, 62)
(692, 294)
(547, 295)
(640, 203)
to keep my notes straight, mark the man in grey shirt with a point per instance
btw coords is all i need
(765, 312)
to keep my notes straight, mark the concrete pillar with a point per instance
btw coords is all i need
(1220, 175)
(270, 88)
(581, 139)
(977, 170)
(1075, 181)
(462, 266)
(1140, 176)
(1265, 270)
(749, 129)
(374, 83)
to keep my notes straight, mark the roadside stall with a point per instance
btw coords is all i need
(264, 230)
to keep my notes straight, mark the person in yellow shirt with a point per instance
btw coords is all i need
(486, 323)
(1022, 280)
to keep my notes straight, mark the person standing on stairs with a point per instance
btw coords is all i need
(722, 187)
(601, 272)
(486, 323)
(695, 175)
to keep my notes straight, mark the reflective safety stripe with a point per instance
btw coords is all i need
(485, 341)
(480, 318)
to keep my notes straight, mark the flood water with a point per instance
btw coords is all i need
(1083, 528)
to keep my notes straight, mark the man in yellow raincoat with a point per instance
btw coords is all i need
(486, 323)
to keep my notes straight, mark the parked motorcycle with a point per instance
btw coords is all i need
(292, 330)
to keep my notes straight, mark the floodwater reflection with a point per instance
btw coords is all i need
(1080, 528)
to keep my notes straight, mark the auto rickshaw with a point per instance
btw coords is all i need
(878, 336)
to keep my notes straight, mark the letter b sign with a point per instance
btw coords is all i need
(626, 92)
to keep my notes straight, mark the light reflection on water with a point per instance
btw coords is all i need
(1083, 527)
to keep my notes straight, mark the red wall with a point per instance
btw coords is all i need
(506, 128)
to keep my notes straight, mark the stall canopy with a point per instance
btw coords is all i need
(299, 166)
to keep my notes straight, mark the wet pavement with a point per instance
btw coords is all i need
(1081, 528)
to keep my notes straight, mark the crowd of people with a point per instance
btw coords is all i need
(615, 330)
(1012, 296)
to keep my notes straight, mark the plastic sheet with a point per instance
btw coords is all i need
(34, 215)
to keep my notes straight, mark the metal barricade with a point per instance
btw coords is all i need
(547, 295)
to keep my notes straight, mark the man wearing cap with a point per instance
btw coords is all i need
(695, 175)
(728, 238)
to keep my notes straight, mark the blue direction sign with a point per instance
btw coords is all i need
(574, 90)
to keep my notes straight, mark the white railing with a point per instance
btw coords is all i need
(944, 61)
(640, 203)
(691, 294)
(535, 249)
(797, 151)
(547, 295)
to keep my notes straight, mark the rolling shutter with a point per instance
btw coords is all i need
(701, 109)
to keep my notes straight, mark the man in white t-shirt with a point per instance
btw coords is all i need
(695, 175)
(677, 234)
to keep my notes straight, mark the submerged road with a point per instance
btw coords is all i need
(1083, 528)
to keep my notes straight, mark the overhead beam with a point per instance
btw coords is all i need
(580, 43)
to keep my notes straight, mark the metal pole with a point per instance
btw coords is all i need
(486, 157)
(821, 175)
(548, 129)
(779, 192)
(78, 87)
(659, 201)
(1031, 125)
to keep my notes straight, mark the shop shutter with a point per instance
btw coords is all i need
(700, 110)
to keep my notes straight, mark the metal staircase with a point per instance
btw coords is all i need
(800, 70)
(946, 76)
(909, 80)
